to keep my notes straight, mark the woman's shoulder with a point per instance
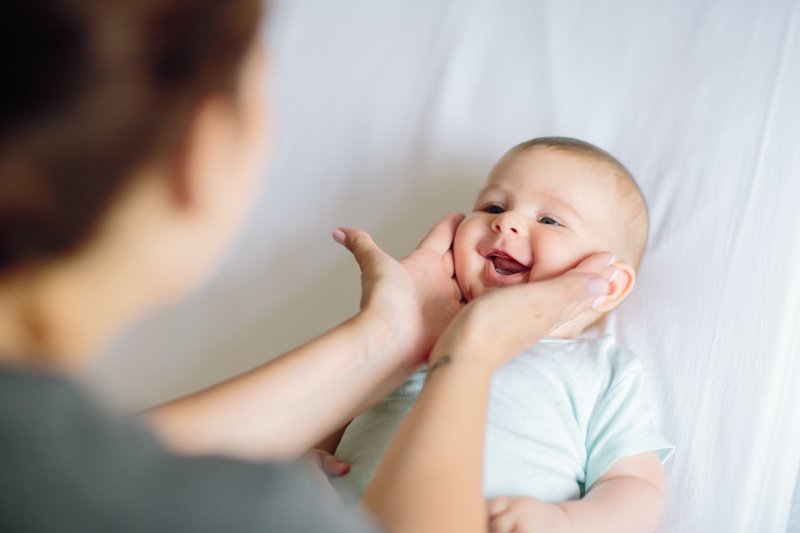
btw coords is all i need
(48, 423)
(38, 402)
(61, 455)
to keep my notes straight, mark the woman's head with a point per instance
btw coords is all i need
(131, 135)
(95, 91)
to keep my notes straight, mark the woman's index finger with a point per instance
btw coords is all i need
(440, 237)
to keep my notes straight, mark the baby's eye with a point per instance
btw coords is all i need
(549, 221)
(493, 209)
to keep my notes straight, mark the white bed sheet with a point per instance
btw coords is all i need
(391, 113)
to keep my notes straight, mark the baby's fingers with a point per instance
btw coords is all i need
(496, 506)
(502, 523)
(500, 519)
(330, 464)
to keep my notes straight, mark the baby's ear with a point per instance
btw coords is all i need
(620, 286)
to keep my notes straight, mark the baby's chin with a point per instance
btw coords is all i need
(471, 291)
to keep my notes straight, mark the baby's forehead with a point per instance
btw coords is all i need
(551, 172)
(553, 159)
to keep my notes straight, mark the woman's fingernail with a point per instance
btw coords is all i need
(338, 236)
(597, 287)
(599, 301)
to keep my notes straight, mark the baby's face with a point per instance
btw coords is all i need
(541, 213)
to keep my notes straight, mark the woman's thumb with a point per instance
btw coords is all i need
(340, 236)
(359, 243)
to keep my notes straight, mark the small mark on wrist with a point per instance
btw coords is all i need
(443, 361)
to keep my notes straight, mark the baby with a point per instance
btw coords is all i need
(567, 416)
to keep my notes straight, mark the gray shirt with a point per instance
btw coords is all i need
(66, 467)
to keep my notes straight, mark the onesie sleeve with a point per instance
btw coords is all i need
(621, 424)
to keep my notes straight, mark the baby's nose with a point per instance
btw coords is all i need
(510, 227)
(509, 223)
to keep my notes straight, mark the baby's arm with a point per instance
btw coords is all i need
(627, 498)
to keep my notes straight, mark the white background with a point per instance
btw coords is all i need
(391, 113)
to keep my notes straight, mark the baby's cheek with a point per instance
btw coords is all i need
(467, 262)
(556, 265)
(556, 254)
(465, 282)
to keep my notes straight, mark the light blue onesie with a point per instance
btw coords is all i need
(560, 414)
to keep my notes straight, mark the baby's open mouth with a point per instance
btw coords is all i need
(507, 266)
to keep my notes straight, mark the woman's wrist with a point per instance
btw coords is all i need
(381, 340)
(467, 369)
(467, 342)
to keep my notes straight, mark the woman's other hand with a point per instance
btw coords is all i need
(415, 298)
(445, 428)
(503, 322)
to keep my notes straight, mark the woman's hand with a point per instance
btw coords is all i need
(415, 298)
(503, 322)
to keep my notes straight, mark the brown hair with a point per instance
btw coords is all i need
(92, 89)
(635, 213)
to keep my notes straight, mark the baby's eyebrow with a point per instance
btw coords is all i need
(564, 204)
(490, 187)
(494, 188)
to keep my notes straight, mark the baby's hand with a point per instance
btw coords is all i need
(525, 515)
(324, 465)
(329, 464)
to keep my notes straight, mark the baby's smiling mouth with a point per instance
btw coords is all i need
(506, 265)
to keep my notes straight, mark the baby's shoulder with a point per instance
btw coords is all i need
(602, 360)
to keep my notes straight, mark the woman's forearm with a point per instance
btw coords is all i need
(282, 408)
(431, 476)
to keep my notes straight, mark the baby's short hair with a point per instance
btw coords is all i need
(632, 200)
